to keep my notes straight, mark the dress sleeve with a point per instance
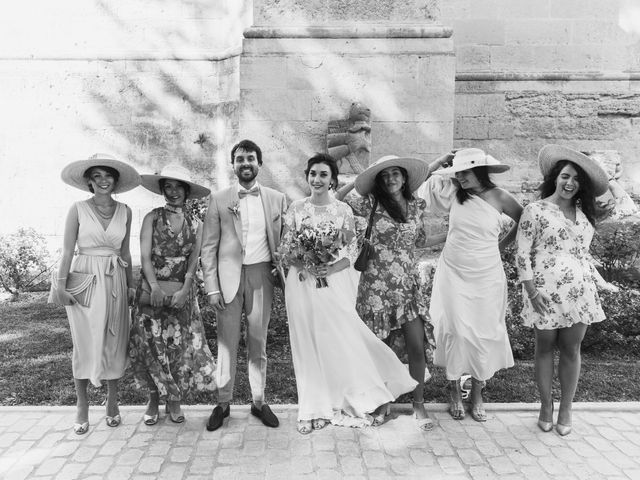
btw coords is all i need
(525, 238)
(361, 206)
(438, 192)
(350, 250)
(288, 230)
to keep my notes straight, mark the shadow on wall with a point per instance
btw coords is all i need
(176, 98)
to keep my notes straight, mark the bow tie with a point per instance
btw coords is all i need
(252, 191)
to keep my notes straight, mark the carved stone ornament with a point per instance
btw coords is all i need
(349, 141)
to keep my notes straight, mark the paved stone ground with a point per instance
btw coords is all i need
(37, 442)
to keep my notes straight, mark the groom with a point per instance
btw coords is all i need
(240, 237)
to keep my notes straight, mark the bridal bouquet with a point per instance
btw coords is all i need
(313, 246)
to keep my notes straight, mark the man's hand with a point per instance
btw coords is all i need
(216, 301)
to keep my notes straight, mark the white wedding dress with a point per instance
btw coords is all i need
(343, 371)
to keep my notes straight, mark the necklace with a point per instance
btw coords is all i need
(172, 209)
(111, 210)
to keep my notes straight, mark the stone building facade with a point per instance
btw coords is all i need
(158, 82)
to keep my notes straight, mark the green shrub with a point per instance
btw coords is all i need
(616, 245)
(618, 335)
(24, 261)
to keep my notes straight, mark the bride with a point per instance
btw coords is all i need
(345, 375)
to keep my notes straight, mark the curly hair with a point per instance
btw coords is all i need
(247, 146)
(393, 208)
(585, 197)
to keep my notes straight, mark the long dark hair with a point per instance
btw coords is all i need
(393, 208)
(482, 174)
(585, 198)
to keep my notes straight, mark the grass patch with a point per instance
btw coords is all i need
(35, 365)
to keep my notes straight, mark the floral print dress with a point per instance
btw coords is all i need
(389, 292)
(553, 251)
(167, 346)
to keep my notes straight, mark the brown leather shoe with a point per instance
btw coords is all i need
(217, 417)
(266, 415)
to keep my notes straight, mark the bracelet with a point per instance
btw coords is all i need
(61, 278)
(188, 275)
(531, 297)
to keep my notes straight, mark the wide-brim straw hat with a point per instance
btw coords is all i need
(467, 158)
(73, 174)
(417, 171)
(551, 154)
(174, 172)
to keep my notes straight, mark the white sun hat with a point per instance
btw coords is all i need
(174, 172)
(551, 154)
(467, 158)
(73, 174)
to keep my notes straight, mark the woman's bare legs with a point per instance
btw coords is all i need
(545, 346)
(414, 340)
(82, 402)
(569, 341)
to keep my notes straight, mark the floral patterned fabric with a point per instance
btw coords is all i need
(389, 290)
(167, 346)
(554, 252)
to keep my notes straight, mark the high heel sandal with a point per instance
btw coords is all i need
(563, 429)
(545, 426)
(305, 427)
(113, 421)
(425, 424)
(380, 414)
(177, 417)
(151, 419)
(81, 428)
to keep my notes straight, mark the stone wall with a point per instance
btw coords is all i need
(149, 82)
(530, 73)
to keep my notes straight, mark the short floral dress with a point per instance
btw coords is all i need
(167, 346)
(389, 292)
(554, 252)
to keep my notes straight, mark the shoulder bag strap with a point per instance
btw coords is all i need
(367, 233)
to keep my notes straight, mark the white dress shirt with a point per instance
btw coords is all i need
(254, 233)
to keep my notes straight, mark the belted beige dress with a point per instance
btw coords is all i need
(100, 332)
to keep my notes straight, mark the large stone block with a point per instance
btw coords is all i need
(263, 72)
(538, 32)
(471, 128)
(275, 105)
(317, 12)
(480, 105)
(487, 31)
(472, 57)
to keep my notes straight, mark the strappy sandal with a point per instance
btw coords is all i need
(380, 414)
(424, 423)
(113, 421)
(319, 423)
(305, 427)
(456, 408)
(478, 412)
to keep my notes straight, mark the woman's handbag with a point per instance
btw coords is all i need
(168, 287)
(362, 261)
(80, 285)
